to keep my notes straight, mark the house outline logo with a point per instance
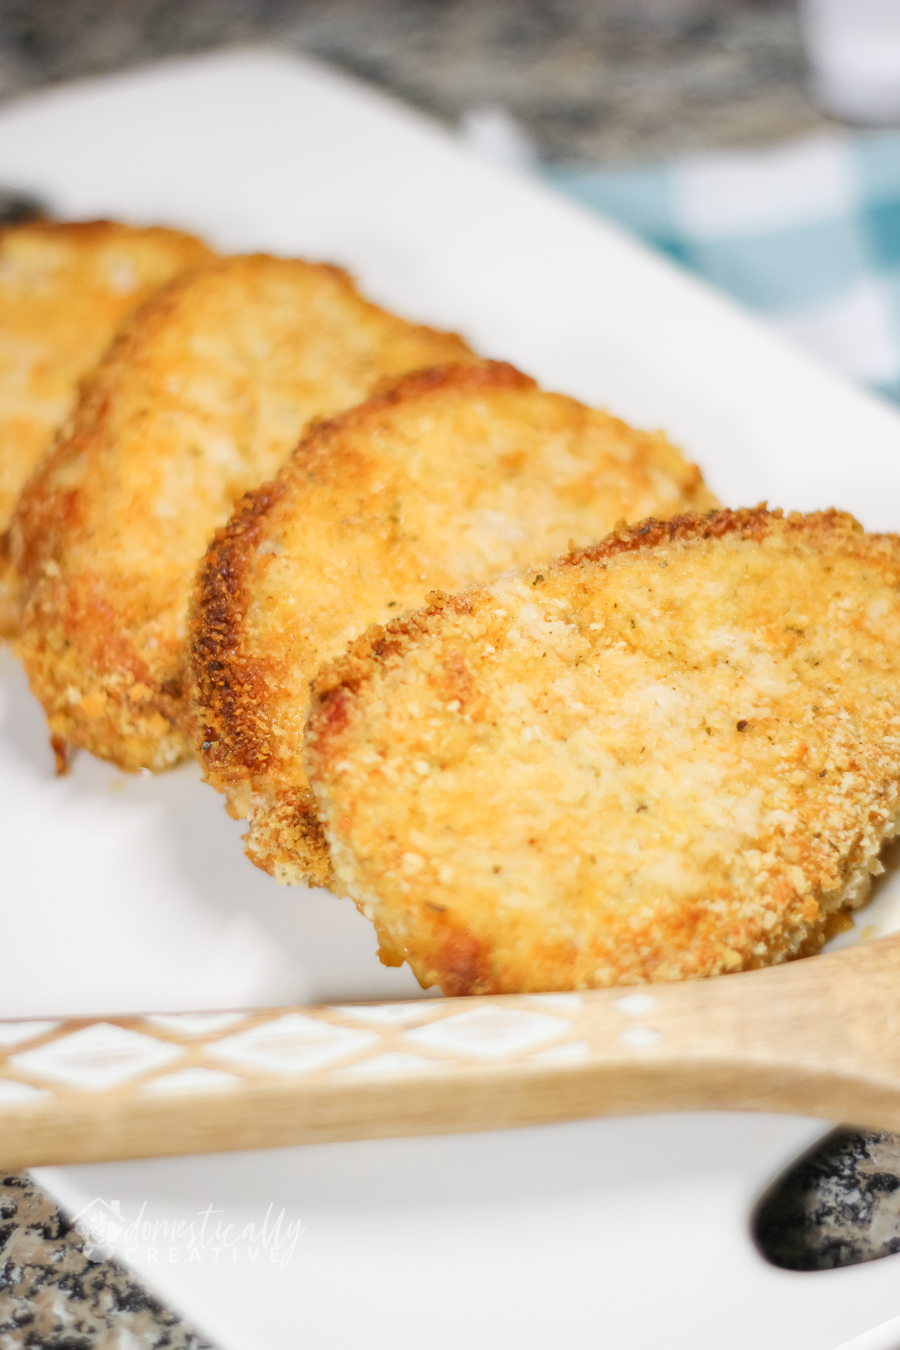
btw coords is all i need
(98, 1224)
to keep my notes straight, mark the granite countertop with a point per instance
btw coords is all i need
(590, 83)
(52, 1296)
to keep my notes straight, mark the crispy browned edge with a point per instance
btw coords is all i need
(49, 225)
(9, 608)
(9, 618)
(224, 689)
(340, 679)
(85, 228)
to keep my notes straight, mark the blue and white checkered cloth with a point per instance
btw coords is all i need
(806, 233)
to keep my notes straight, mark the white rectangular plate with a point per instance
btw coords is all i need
(123, 894)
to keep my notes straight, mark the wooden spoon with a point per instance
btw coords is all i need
(817, 1037)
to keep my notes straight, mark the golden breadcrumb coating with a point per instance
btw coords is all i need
(203, 394)
(450, 477)
(64, 290)
(668, 756)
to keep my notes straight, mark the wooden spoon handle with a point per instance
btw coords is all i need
(817, 1037)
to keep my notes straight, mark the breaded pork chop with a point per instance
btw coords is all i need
(64, 290)
(668, 756)
(205, 391)
(450, 477)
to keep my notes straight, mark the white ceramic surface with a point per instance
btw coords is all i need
(133, 894)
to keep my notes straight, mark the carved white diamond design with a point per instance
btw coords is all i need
(570, 1052)
(385, 1014)
(396, 1061)
(194, 1080)
(14, 1033)
(294, 1043)
(635, 1005)
(19, 1094)
(564, 1002)
(489, 1032)
(195, 1024)
(640, 1037)
(97, 1057)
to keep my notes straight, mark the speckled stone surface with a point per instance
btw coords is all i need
(590, 82)
(839, 1205)
(53, 1297)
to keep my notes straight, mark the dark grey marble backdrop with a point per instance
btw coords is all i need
(590, 80)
